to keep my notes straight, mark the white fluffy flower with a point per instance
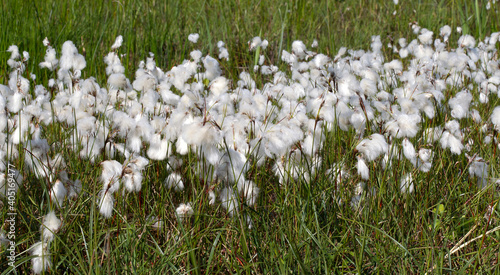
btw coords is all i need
(373, 146)
(193, 37)
(118, 42)
(106, 202)
(184, 210)
(406, 185)
(50, 225)
(409, 151)
(111, 172)
(57, 193)
(250, 191)
(41, 261)
(495, 118)
(363, 170)
(174, 180)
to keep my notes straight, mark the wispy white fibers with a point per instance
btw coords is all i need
(363, 170)
(452, 137)
(193, 37)
(50, 62)
(249, 190)
(409, 151)
(106, 202)
(132, 174)
(479, 168)
(406, 185)
(232, 167)
(404, 125)
(460, 104)
(118, 42)
(495, 118)
(373, 146)
(254, 43)
(50, 225)
(184, 210)
(424, 161)
(445, 32)
(70, 60)
(212, 68)
(111, 173)
(174, 180)
(223, 53)
(58, 193)
(41, 261)
(37, 157)
(110, 178)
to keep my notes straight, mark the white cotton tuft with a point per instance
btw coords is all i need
(404, 125)
(41, 260)
(14, 52)
(111, 172)
(193, 38)
(479, 168)
(50, 225)
(118, 81)
(466, 41)
(219, 85)
(184, 210)
(424, 163)
(70, 58)
(46, 42)
(406, 185)
(254, 43)
(460, 104)
(211, 197)
(299, 49)
(250, 191)
(118, 42)
(15, 102)
(174, 180)
(212, 68)
(158, 148)
(495, 118)
(448, 140)
(395, 65)
(314, 44)
(363, 170)
(50, 62)
(425, 36)
(196, 55)
(223, 53)
(132, 179)
(57, 193)
(445, 32)
(409, 151)
(373, 146)
(106, 202)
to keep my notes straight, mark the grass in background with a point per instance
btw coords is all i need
(302, 228)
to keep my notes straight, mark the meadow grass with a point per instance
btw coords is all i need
(297, 228)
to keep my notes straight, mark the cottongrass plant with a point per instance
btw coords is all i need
(208, 134)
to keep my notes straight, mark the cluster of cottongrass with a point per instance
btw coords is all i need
(230, 126)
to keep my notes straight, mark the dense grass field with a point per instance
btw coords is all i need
(317, 213)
